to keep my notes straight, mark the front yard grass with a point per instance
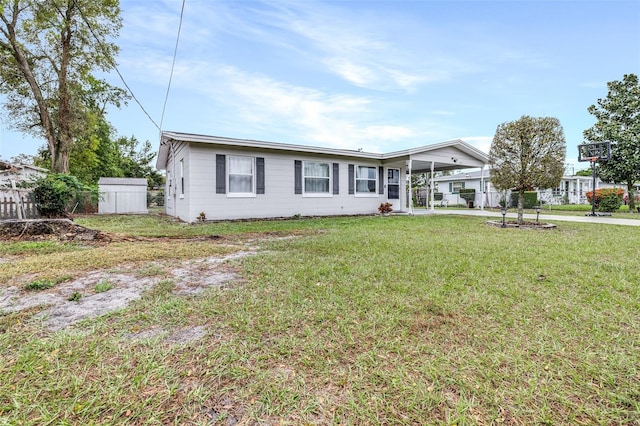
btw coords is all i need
(366, 320)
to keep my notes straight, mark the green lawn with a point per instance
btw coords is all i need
(365, 320)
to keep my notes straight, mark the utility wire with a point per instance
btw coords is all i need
(173, 64)
(114, 65)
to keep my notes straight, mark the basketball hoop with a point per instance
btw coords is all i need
(601, 151)
(594, 152)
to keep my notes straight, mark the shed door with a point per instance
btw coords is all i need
(393, 184)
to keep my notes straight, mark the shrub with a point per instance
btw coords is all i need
(385, 208)
(56, 194)
(607, 199)
(53, 192)
(469, 194)
(530, 199)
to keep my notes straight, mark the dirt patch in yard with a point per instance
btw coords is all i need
(99, 292)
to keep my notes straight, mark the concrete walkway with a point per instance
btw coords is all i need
(544, 217)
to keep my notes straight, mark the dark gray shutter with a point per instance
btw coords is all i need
(298, 177)
(336, 178)
(221, 174)
(380, 180)
(352, 179)
(259, 175)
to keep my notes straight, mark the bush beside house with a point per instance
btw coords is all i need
(530, 199)
(607, 199)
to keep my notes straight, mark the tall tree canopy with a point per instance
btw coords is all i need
(527, 154)
(48, 52)
(618, 121)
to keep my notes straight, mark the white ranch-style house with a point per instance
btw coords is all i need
(572, 189)
(219, 178)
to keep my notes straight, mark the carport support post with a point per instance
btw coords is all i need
(410, 187)
(483, 190)
(432, 188)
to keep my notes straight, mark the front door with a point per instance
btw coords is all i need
(393, 186)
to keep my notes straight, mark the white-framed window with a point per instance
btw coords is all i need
(241, 176)
(456, 187)
(317, 179)
(181, 178)
(366, 180)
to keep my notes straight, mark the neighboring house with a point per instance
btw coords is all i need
(572, 189)
(18, 173)
(122, 195)
(15, 203)
(216, 178)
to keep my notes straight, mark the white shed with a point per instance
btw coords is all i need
(122, 195)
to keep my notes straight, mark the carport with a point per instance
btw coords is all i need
(450, 155)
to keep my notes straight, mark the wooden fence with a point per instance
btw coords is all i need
(10, 208)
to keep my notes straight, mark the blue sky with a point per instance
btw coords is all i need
(377, 75)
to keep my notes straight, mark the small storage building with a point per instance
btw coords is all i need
(122, 195)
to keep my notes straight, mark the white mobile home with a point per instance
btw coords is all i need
(572, 189)
(218, 178)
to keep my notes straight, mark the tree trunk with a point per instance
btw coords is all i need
(632, 195)
(60, 160)
(520, 206)
(60, 163)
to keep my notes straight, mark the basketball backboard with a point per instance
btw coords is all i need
(598, 151)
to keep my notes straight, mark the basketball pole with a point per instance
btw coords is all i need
(593, 186)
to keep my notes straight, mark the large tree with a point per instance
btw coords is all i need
(618, 121)
(527, 154)
(49, 50)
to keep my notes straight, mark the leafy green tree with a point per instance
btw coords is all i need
(136, 160)
(98, 155)
(618, 121)
(527, 154)
(48, 52)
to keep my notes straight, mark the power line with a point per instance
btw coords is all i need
(114, 65)
(175, 53)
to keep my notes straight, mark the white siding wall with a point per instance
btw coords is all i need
(122, 199)
(174, 204)
(279, 199)
(454, 198)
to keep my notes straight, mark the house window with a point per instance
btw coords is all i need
(181, 178)
(317, 178)
(366, 178)
(455, 187)
(241, 175)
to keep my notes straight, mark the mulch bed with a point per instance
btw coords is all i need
(524, 225)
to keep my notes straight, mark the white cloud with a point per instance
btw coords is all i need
(342, 121)
(483, 143)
